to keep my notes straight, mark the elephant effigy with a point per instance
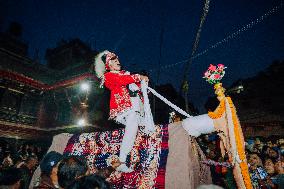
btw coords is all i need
(169, 158)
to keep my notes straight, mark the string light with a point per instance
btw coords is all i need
(81, 122)
(229, 37)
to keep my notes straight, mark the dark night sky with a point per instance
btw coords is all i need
(132, 29)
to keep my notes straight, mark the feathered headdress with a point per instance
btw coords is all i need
(100, 66)
(102, 63)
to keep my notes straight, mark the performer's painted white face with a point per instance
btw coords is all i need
(114, 65)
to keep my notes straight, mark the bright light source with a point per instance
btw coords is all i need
(85, 86)
(81, 122)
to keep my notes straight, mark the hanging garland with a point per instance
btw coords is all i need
(219, 111)
(240, 145)
(215, 163)
(233, 35)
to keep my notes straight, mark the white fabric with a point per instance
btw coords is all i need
(133, 87)
(137, 107)
(131, 128)
(148, 117)
(169, 103)
(231, 133)
(197, 125)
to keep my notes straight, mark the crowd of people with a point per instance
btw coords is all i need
(264, 155)
(18, 164)
(265, 160)
(57, 171)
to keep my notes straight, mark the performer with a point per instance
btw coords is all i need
(126, 104)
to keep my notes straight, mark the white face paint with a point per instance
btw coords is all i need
(114, 65)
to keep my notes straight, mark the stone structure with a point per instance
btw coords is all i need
(38, 100)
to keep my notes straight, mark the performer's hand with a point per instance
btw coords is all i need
(144, 78)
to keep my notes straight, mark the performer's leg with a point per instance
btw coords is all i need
(129, 137)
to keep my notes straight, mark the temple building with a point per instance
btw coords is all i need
(38, 101)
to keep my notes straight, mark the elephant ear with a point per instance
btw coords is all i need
(100, 64)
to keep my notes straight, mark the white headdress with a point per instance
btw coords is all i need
(100, 67)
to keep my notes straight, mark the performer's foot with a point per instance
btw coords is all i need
(124, 168)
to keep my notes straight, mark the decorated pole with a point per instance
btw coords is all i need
(227, 124)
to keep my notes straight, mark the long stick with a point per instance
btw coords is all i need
(185, 85)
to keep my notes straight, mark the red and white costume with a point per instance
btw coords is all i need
(124, 108)
(120, 100)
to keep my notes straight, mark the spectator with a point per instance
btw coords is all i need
(10, 178)
(7, 161)
(49, 169)
(23, 152)
(28, 169)
(257, 148)
(270, 152)
(279, 178)
(70, 169)
(249, 145)
(90, 182)
(257, 172)
(269, 167)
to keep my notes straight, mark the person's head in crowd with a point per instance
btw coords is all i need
(199, 140)
(279, 167)
(257, 147)
(269, 143)
(7, 160)
(70, 169)
(254, 161)
(90, 182)
(212, 154)
(23, 152)
(249, 144)
(49, 165)
(270, 152)
(10, 178)
(280, 141)
(30, 152)
(269, 166)
(206, 138)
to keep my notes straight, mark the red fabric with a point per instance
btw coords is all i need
(42, 86)
(119, 97)
(148, 156)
